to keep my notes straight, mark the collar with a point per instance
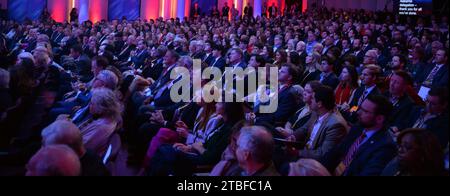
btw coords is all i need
(369, 89)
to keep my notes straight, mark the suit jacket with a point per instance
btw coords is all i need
(286, 107)
(153, 69)
(220, 63)
(359, 92)
(140, 58)
(440, 79)
(331, 132)
(331, 80)
(437, 125)
(125, 53)
(401, 110)
(371, 157)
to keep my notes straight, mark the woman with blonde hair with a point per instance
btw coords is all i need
(312, 68)
(105, 110)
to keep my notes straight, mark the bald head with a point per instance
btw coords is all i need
(55, 160)
(63, 132)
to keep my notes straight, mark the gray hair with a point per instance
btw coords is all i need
(307, 167)
(63, 132)
(258, 142)
(54, 160)
(109, 78)
(186, 61)
(104, 102)
(4, 78)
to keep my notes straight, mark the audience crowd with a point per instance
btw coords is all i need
(360, 93)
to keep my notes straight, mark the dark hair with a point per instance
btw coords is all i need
(353, 75)
(77, 48)
(441, 92)
(325, 94)
(383, 105)
(314, 84)
(293, 71)
(405, 76)
(260, 60)
(402, 58)
(430, 151)
(101, 61)
(174, 54)
(330, 60)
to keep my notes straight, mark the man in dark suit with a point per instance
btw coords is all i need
(434, 117)
(326, 128)
(273, 11)
(248, 11)
(139, 56)
(195, 11)
(328, 77)
(367, 149)
(154, 68)
(225, 10)
(366, 46)
(208, 57)
(368, 87)
(57, 36)
(287, 106)
(401, 102)
(358, 52)
(218, 60)
(437, 75)
(82, 63)
(129, 46)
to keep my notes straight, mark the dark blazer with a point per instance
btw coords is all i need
(153, 69)
(124, 54)
(307, 77)
(331, 132)
(359, 92)
(286, 107)
(437, 125)
(439, 80)
(220, 63)
(331, 80)
(371, 157)
(140, 58)
(400, 112)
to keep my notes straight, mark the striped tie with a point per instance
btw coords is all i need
(351, 152)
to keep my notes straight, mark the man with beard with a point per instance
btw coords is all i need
(368, 147)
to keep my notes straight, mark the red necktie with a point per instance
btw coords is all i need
(353, 149)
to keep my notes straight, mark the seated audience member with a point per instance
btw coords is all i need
(287, 76)
(401, 102)
(368, 87)
(181, 159)
(253, 152)
(206, 121)
(419, 154)
(303, 115)
(328, 77)
(228, 165)
(437, 74)
(324, 130)
(433, 117)
(347, 86)
(66, 133)
(54, 160)
(307, 167)
(311, 69)
(105, 110)
(368, 147)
